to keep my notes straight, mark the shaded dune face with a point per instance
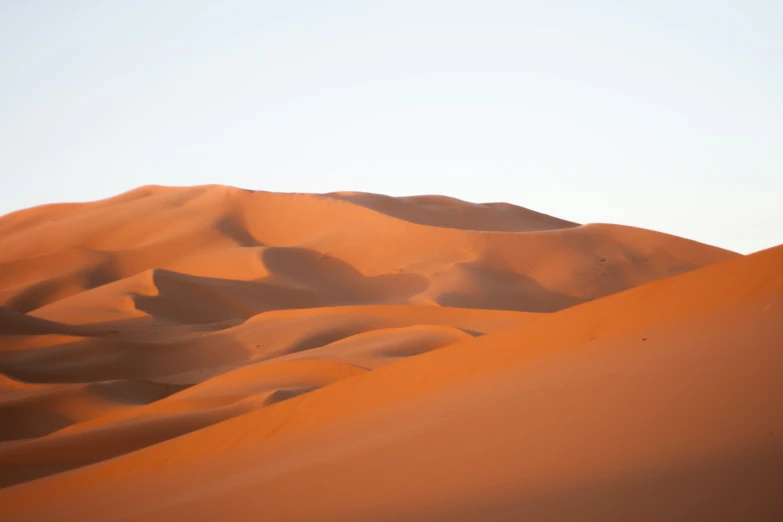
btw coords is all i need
(169, 329)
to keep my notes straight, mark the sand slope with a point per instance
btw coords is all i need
(304, 250)
(658, 403)
(210, 352)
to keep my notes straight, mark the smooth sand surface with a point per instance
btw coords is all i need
(213, 353)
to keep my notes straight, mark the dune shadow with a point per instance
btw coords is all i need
(20, 421)
(51, 288)
(120, 357)
(134, 391)
(299, 278)
(230, 229)
(319, 339)
(337, 280)
(448, 212)
(494, 290)
(37, 295)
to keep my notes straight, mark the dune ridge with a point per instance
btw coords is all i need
(278, 239)
(208, 348)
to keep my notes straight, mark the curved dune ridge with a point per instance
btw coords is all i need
(210, 352)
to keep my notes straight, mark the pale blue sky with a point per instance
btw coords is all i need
(663, 114)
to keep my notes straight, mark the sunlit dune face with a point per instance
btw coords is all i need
(208, 352)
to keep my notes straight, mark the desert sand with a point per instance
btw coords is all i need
(212, 353)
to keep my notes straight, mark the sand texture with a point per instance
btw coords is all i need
(211, 353)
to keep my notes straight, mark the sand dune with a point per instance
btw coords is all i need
(310, 250)
(210, 352)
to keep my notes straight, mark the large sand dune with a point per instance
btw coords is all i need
(213, 353)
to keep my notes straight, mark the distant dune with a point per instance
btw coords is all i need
(211, 353)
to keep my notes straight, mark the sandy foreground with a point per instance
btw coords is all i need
(211, 353)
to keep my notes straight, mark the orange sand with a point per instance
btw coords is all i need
(212, 353)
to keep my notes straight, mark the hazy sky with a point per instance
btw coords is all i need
(663, 114)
